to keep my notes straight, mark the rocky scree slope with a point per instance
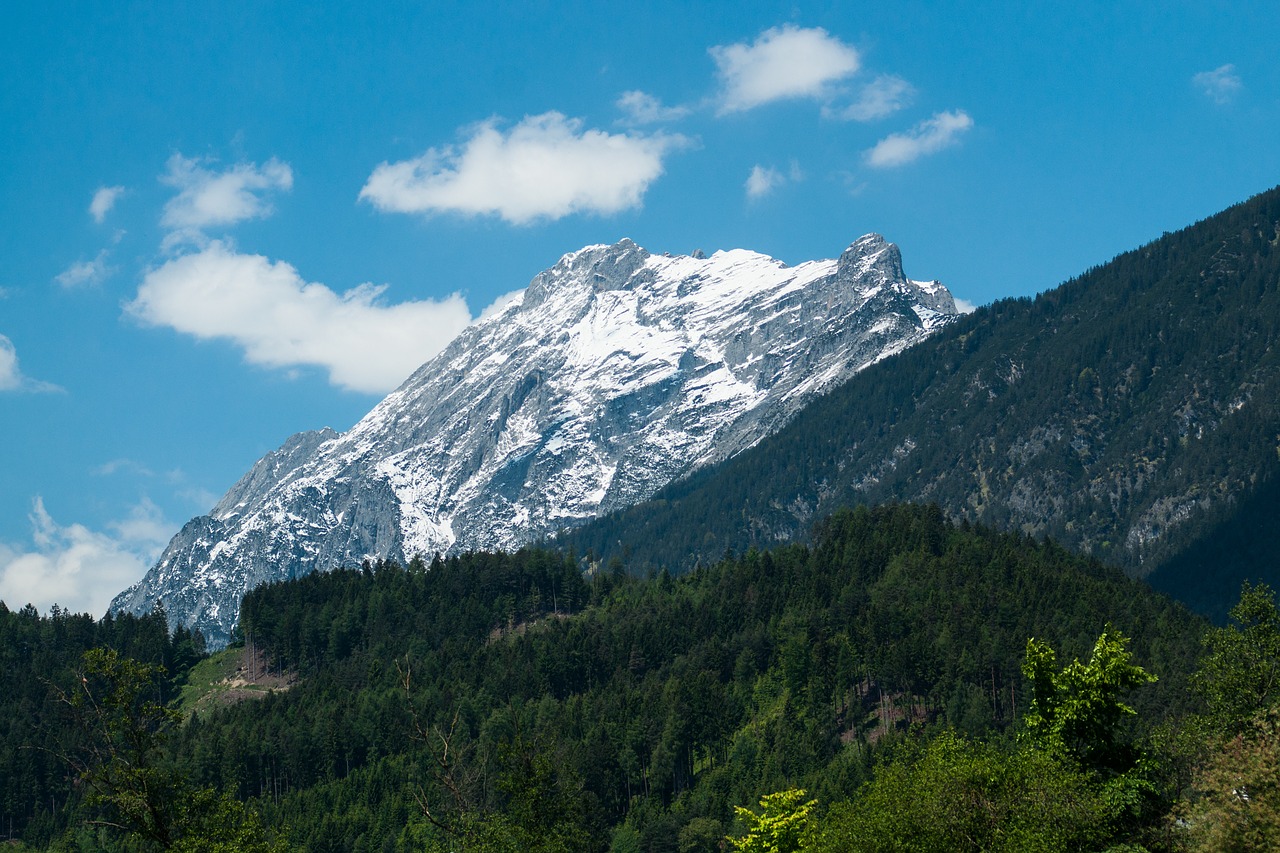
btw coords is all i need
(614, 373)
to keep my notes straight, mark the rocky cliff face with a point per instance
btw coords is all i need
(614, 373)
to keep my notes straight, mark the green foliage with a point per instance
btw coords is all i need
(1240, 674)
(779, 826)
(541, 810)
(545, 801)
(1077, 712)
(216, 822)
(113, 704)
(954, 794)
(132, 788)
(661, 705)
(1234, 803)
(37, 794)
(700, 835)
(493, 833)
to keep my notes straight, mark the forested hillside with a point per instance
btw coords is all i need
(38, 656)
(507, 702)
(1128, 413)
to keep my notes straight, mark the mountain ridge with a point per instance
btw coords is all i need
(1122, 413)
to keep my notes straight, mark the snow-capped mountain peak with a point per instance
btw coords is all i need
(613, 373)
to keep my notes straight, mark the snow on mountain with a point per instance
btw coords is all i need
(615, 372)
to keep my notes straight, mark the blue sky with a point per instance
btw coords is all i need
(226, 223)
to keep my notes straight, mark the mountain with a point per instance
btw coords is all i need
(614, 372)
(1131, 413)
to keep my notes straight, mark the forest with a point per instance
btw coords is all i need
(900, 682)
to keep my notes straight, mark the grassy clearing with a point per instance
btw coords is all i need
(225, 678)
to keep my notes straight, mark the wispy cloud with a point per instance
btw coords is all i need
(281, 320)
(78, 568)
(198, 496)
(499, 305)
(928, 137)
(103, 201)
(144, 529)
(116, 466)
(11, 376)
(765, 179)
(762, 181)
(85, 273)
(546, 167)
(1220, 85)
(641, 108)
(783, 62)
(883, 96)
(210, 198)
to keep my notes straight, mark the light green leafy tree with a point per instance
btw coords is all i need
(1077, 712)
(1234, 799)
(1240, 674)
(954, 795)
(778, 828)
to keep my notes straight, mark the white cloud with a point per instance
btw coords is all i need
(209, 198)
(964, 306)
(1220, 85)
(78, 568)
(929, 136)
(783, 62)
(11, 376)
(115, 466)
(547, 166)
(883, 96)
(199, 497)
(144, 529)
(103, 200)
(642, 108)
(85, 273)
(763, 181)
(280, 320)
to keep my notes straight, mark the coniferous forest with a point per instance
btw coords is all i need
(899, 683)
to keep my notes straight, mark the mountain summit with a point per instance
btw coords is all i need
(614, 373)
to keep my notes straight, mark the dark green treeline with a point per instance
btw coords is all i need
(38, 654)
(509, 697)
